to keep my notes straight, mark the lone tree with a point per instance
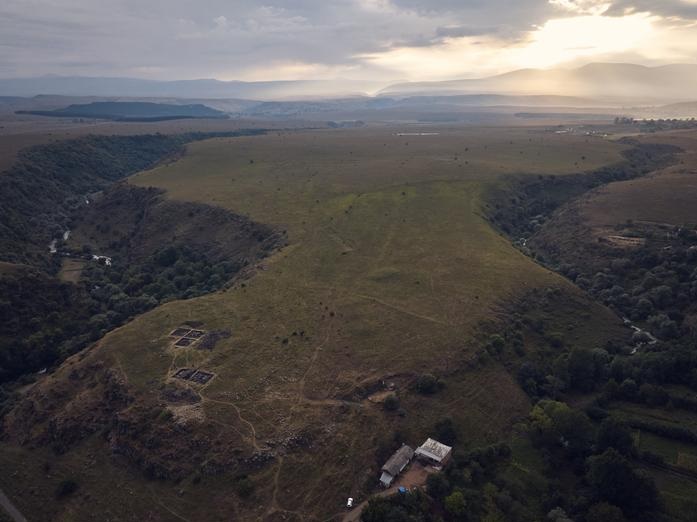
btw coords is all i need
(605, 512)
(66, 488)
(445, 431)
(391, 402)
(427, 384)
(455, 503)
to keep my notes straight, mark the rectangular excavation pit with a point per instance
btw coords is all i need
(180, 332)
(186, 336)
(196, 376)
(201, 377)
(185, 373)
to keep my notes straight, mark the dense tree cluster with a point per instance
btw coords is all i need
(48, 183)
(39, 314)
(653, 285)
(600, 456)
(653, 125)
(602, 483)
(43, 319)
(48, 320)
(174, 271)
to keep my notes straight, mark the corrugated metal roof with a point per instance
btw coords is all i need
(396, 462)
(386, 479)
(434, 449)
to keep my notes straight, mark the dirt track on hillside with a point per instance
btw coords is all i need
(10, 508)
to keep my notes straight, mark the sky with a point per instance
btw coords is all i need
(378, 40)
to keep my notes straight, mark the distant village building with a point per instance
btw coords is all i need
(395, 465)
(102, 260)
(434, 453)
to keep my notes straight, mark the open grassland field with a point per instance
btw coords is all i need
(684, 418)
(20, 132)
(678, 492)
(389, 272)
(674, 452)
(667, 196)
(9, 268)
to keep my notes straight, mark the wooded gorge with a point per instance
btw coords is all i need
(70, 184)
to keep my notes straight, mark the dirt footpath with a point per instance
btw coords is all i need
(414, 477)
(11, 510)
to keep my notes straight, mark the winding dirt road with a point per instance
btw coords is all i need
(10, 508)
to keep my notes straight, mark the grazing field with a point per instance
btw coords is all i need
(674, 452)
(678, 492)
(71, 269)
(20, 132)
(665, 197)
(390, 272)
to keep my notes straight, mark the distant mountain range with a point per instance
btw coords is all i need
(457, 103)
(131, 111)
(605, 83)
(382, 108)
(610, 82)
(137, 88)
(617, 89)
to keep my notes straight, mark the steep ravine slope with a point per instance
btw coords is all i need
(382, 281)
(56, 303)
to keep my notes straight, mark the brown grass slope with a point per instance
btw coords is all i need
(597, 220)
(137, 222)
(391, 271)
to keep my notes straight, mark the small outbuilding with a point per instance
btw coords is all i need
(395, 465)
(434, 452)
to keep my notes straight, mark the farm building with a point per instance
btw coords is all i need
(395, 465)
(102, 260)
(434, 452)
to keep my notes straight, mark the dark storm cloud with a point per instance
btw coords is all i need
(673, 8)
(441, 33)
(184, 39)
(180, 38)
(460, 31)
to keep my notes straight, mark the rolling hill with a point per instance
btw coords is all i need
(609, 81)
(203, 88)
(605, 81)
(390, 271)
(673, 110)
(131, 111)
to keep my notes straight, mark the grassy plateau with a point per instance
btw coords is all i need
(389, 272)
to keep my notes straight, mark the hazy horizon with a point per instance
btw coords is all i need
(601, 83)
(563, 67)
